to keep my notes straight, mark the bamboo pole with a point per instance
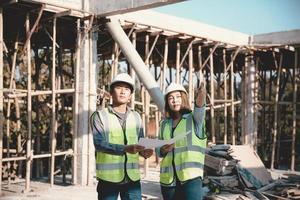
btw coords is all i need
(75, 104)
(275, 124)
(178, 78)
(294, 112)
(225, 96)
(212, 97)
(1, 95)
(29, 107)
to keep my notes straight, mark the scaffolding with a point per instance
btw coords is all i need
(252, 89)
(40, 58)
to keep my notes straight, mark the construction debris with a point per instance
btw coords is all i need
(236, 172)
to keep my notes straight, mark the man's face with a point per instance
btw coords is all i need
(121, 93)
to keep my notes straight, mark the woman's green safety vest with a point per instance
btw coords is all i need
(188, 154)
(111, 167)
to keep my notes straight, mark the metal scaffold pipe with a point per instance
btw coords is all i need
(137, 63)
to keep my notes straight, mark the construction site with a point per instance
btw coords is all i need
(57, 59)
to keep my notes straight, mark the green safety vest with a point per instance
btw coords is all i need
(111, 167)
(188, 154)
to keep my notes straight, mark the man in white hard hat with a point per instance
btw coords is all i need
(116, 131)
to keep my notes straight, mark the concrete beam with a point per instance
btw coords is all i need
(186, 26)
(107, 7)
(112, 7)
(277, 38)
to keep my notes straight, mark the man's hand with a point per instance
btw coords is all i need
(133, 149)
(201, 96)
(167, 148)
(146, 153)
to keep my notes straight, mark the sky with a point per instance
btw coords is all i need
(246, 16)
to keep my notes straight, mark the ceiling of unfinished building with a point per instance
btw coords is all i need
(107, 7)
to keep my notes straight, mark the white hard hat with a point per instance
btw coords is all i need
(123, 78)
(174, 87)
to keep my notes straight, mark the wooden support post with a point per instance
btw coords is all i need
(29, 106)
(165, 65)
(53, 121)
(294, 112)
(212, 50)
(178, 73)
(275, 125)
(200, 74)
(1, 95)
(132, 72)
(225, 96)
(152, 47)
(146, 103)
(232, 104)
(191, 66)
(11, 84)
(29, 33)
(212, 98)
(255, 106)
(186, 53)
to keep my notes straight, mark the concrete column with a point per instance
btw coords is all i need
(86, 105)
(248, 114)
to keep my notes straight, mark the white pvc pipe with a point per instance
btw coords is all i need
(137, 63)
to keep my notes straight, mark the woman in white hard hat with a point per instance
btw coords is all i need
(116, 131)
(181, 169)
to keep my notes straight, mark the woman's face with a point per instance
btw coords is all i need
(174, 100)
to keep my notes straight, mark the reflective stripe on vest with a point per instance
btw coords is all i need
(111, 167)
(188, 153)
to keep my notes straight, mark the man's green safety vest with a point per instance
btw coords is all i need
(188, 154)
(111, 167)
